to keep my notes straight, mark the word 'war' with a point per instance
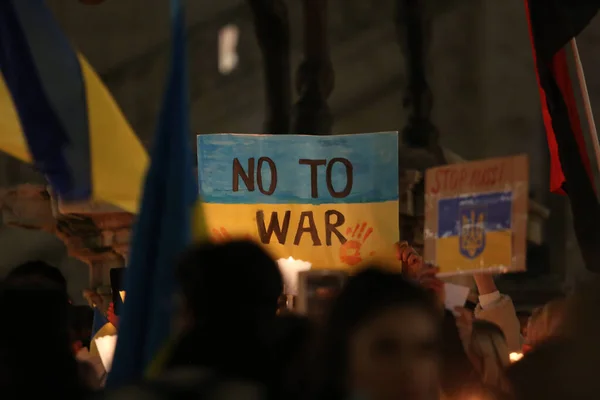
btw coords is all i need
(279, 226)
(253, 176)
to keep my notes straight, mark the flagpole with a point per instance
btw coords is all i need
(586, 102)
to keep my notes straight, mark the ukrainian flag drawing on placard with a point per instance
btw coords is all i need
(474, 232)
(328, 200)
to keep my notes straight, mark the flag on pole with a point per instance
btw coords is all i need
(98, 322)
(170, 216)
(552, 24)
(56, 113)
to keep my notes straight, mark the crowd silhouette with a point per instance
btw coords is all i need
(385, 336)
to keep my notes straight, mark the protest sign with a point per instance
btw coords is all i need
(476, 215)
(328, 200)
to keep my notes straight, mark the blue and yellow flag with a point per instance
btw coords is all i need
(56, 113)
(100, 327)
(98, 322)
(169, 216)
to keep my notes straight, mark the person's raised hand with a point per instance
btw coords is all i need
(412, 263)
(427, 278)
(485, 283)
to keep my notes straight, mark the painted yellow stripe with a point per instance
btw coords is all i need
(199, 227)
(119, 161)
(497, 253)
(370, 231)
(12, 140)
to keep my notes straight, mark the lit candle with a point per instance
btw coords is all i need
(290, 268)
(514, 357)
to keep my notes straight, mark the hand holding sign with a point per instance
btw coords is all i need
(412, 262)
(427, 278)
(425, 274)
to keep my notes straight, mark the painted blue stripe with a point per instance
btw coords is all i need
(374, 159)
(44, 78)
(497, 208)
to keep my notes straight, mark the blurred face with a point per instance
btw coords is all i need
(395, 356)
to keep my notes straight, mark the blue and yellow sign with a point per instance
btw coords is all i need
(476, 215)
(329, 200)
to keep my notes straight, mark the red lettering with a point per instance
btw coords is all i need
(464, 177)
(454, 180)
(461, 179)
(475, 178)
(440, 180)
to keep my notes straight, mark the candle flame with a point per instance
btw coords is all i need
(514, 357)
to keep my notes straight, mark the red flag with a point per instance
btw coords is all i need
(551, 25)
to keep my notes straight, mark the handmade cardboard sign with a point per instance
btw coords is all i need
(476, 215)
(328, 200)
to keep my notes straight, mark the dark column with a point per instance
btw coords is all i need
(414, 27)
(315, 76)
(273, 34)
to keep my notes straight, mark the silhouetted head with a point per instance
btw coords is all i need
(230, 279)
(381, 340)
(227, 319)
(458, 373)
(36, 328)
(37, 272)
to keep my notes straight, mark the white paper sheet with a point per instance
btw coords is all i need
(456, 296)
(106, 348)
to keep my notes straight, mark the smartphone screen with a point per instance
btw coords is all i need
(117, 287)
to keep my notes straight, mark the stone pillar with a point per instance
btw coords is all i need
(315, 78)
(98, 240)
(272, 30)
(99, 265)
(27, 206)
(414, 27)
(123, 251)
(97, 234)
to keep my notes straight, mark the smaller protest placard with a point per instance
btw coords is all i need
(476, 216)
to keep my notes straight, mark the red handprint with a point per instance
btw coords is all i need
(350, 252)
